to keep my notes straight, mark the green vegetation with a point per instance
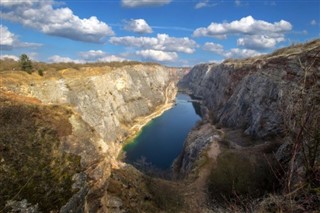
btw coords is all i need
(32, 165)
(165, 196)
(241, 174)
(40, 72)
(25, 63)
(141, 193)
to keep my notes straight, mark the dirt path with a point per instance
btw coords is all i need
(195, 193)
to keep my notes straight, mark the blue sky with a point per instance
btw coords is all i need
(171, 32)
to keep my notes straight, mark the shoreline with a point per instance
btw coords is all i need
(143, 121)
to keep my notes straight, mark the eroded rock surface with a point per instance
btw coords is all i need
(103, 106)
(250, 94)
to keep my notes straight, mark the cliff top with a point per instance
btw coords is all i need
(17, 76)
(287, 52)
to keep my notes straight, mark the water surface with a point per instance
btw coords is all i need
(161, 140)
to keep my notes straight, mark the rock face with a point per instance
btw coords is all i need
(109, 100)
(248, 93)
(106, 105)
(254, 96)
(200, 137)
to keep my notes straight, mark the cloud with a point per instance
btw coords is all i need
(99, 55)
(7, 38)
(237, 3)
(213, 47)
(247, 26)
(144, 3)
(256, 42)
(158, 55)
(177, 28)
(9, 41)
(10, 57)
(42, 16)
(92, 55)
(204, 3)
(137, 26)
(110, 58)
(240, 53)
(61, 59)
(313, 22)
(161, 42)
(10, 3)
(233, 53)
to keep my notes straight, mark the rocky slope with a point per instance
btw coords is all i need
(248, 94)
(264, 106)
(102, 106)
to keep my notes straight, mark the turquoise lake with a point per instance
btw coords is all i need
(161, 140)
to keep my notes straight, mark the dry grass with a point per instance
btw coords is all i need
(11, 65)
(33, 167)
(293, 50)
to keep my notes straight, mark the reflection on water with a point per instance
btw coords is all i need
(161, 140)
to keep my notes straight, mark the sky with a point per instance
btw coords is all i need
(170, 32)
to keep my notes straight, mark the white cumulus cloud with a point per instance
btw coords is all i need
(137, 26)
(6, 37)
(92, 54)
(213, 47)
(110, 58)
(158, 55)
(42, 16)
(259, 41)
(9, 40)
(144, 3)
(99, 55)
(161, 42)
(240, 53)
(246, 25)
(232, 53)
(61, 59)
(9, 57)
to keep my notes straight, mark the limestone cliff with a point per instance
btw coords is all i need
(248, 93)
(105, 105)
(259, 97)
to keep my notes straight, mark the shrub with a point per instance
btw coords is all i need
(238, 173)
(25, 63)
(40, 72)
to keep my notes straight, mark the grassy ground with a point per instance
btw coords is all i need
(32, 164)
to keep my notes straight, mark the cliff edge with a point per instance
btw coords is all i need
(250, 93)
(84, 113)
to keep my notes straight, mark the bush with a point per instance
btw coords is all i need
(40, 72)
(25, 63)
(240, 173)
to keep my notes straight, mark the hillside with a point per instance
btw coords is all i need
(80, 118)
(265, 116)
